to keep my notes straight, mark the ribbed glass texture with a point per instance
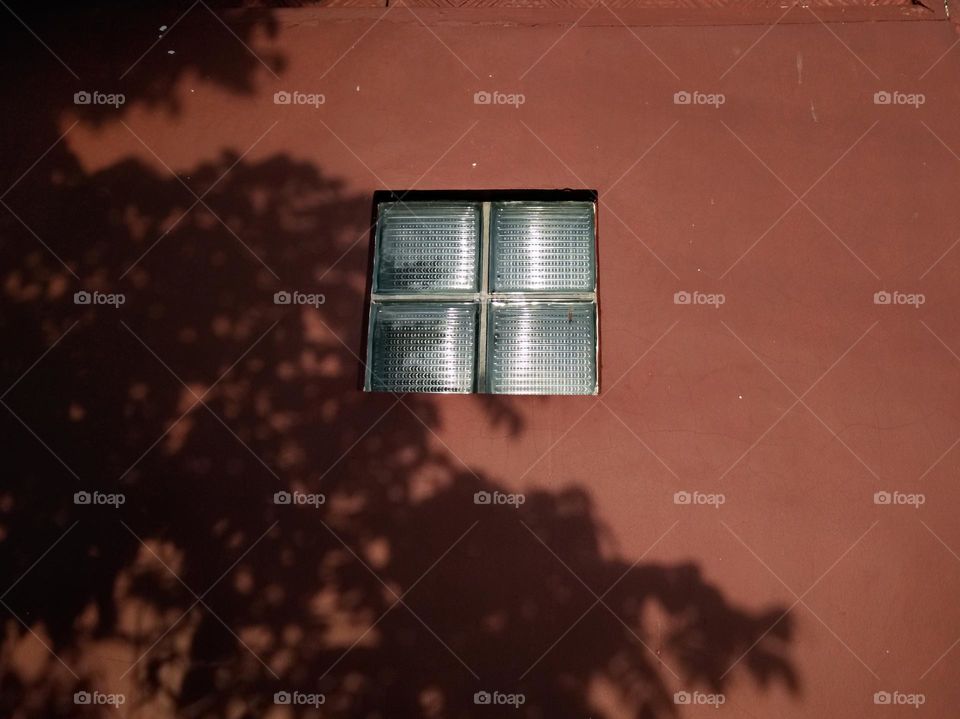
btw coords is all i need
(542, 348)
(543, 246)
(423, 347)
(428, 247)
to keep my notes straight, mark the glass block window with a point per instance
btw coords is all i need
(542, 246)
(424, 347)
(542, 347)
(428, 248)
(492, 296)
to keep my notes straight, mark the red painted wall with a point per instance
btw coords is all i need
(794, 195)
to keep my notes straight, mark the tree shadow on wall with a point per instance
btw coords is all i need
(199, 398)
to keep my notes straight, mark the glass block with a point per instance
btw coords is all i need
(428, 247)
(422, 347)
(542, 348)
(543, 246)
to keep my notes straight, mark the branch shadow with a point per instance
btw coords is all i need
(199, 398)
